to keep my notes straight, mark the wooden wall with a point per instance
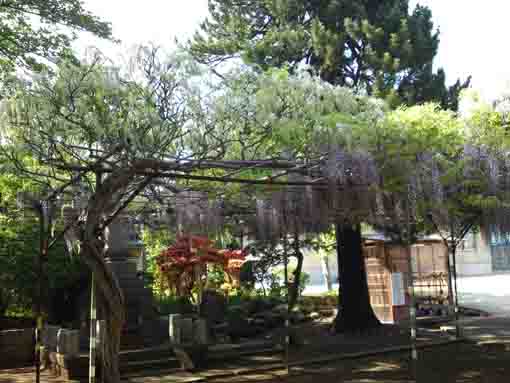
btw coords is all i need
(384, 259)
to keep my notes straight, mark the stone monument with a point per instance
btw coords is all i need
(125, 257)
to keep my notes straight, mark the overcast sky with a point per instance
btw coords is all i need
(473, 33)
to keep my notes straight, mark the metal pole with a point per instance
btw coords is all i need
(287, 332)
(39, 320)
(93, 320)
(412, 300)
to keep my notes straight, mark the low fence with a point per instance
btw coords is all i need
(13, 323)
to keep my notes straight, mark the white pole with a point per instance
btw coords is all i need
(93, 320)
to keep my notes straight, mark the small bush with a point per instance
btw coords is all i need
(173, 305)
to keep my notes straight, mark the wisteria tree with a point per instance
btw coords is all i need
(304, 118)
(113, 133)
(111, 136)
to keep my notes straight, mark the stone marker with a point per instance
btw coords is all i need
(213, 307)
(49, 337)
(186, 330)
(200, 332)
(100, 336)
(174, 328)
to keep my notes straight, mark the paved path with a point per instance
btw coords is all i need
(489, 293)
(488, 330)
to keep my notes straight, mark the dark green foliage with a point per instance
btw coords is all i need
(215, 276)
(370, 45)
(64, 278)
(272, 255)
(32, 31)
(166, 305)
(247, 275)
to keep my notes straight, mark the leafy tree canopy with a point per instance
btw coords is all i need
(374, 46)
(32, 31)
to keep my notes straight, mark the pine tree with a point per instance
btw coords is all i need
(370, 45)
(33, 32)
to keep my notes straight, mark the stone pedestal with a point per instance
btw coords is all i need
(200, 332)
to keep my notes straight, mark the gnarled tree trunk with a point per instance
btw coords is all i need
(355, 314)
(103, 205)
(111, 302)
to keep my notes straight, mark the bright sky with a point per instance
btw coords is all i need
(473, 33)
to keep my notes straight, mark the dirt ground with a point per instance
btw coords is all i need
(484, 358)
(464, 362)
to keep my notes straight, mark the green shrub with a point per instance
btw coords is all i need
(166, 305)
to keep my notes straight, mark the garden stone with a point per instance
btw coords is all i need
(213, 307)
(256, 305)
(239, 328)
(297, 317)
(281, 308)
(271, 319)
(260, 322)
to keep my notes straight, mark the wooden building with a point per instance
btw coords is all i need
(388, 277)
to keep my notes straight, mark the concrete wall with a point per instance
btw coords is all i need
(17, 348)
(474, 255)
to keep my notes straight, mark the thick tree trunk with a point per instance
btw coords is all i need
(355, 314)
(296, 283)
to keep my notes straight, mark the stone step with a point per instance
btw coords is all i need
(140, 363)
(148, 353)
(246, 354)
(149, 364)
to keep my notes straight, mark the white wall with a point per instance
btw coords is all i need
(474, 256)
(312, 266)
